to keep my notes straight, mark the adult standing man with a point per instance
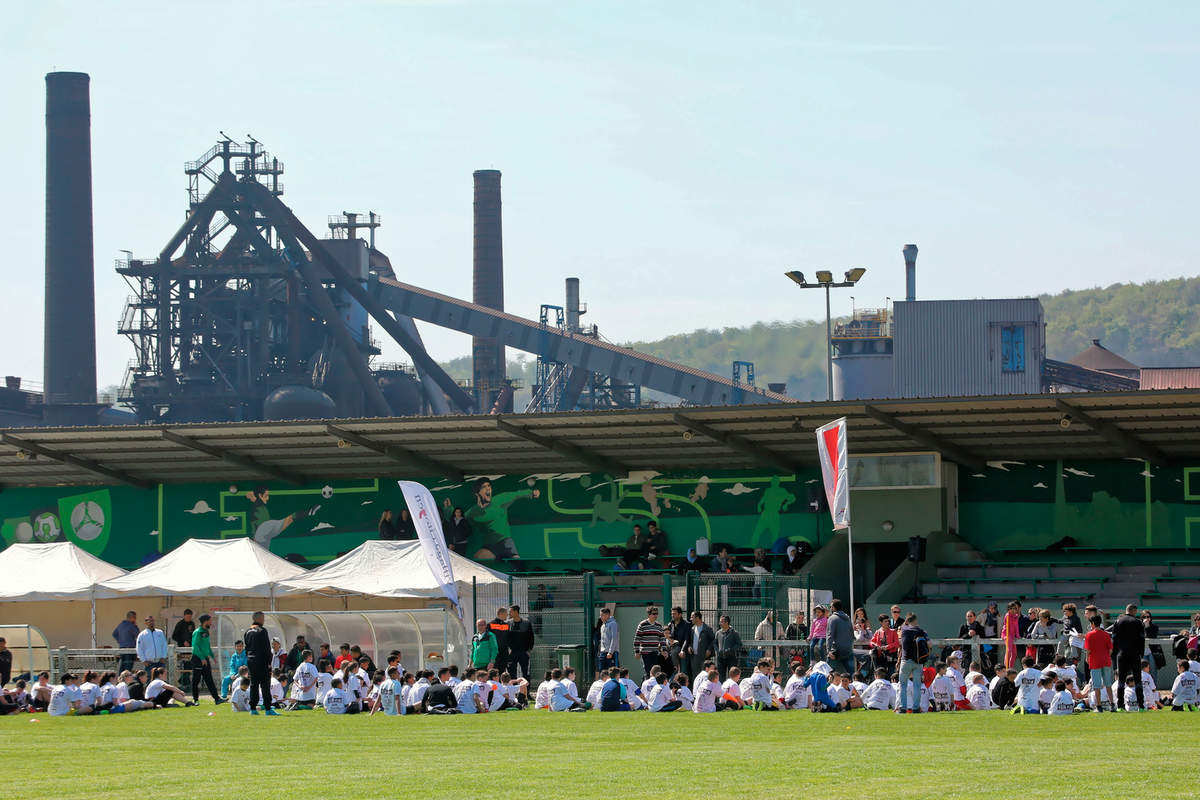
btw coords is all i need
(483, 646)
(840, 639)
(897, 620)
(258, 659)
(649, 641)
(182, 634)
(126, 634)
(520, 643)
(1129, 643)
(678, 633)
(610, 640)
(701, 644)
(499, 628)
(202, 660)
(913, 656)
(5, 662)
(728, 645)
(151, 646)
(295, 656)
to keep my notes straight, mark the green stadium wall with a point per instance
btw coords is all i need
(1013, 506)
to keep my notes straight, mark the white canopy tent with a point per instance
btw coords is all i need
(396, 569)
(210, 567)
(56, 571)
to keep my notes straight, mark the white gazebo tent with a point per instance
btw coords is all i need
(210, 567)
(55, 571)
(398, 569)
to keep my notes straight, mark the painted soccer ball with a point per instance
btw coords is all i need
(46, 527)
(87, 520)
(327, 492)
(24, 532)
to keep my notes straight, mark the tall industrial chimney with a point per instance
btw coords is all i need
(910, 272)
(69, 366)
(488, 290)
(573, 310)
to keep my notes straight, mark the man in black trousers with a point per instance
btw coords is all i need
(1129, 643)
(258, 659)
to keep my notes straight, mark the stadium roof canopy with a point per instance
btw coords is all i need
(1158, 426)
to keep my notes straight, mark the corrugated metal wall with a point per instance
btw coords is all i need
(951, 348)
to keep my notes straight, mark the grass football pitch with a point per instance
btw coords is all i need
(177, 753)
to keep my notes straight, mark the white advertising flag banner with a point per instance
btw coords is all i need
(428, 521)
(831, 446)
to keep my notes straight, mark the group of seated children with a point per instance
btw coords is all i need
(1054, 690)
(96, 693)
(351, 687)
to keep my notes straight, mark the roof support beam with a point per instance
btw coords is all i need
(402, 455)
(763, 455)
(1129, 444)
(76, 461)
(566, 449)
(926, 439)
(245, 462)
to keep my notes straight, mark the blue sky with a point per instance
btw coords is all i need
(677, 157)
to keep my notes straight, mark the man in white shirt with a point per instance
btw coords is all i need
(795, 693)
(465, 693)
(151, 646)
(239, 698)
(1028, 691)
(707, 692)
(979, 696)
(879, 695)
(304, 681)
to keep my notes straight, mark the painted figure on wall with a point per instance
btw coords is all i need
(266, 529)
(774, 501)
(491, 534)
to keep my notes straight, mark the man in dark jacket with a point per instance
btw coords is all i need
(728, 645)
(679, 631)
(295, 656)
(913, 656)
(700, 643)
(182, 635)
(1129, 643)
(520, 642)
(258, 659)
(840, 639)
(499, 626)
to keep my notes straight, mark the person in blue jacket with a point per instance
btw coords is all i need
(237, 660)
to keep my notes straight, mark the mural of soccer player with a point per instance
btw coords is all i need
(608, 510)
(774, 501)
(491, 536)
(265, 528)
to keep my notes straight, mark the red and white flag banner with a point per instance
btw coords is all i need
(831, 446)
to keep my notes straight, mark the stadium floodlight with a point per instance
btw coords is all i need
(825, 281)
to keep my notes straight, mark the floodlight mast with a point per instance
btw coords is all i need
(825, 281)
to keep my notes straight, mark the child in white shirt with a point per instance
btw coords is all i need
(941, 689)
(337, 700)
(683, 693)
(593, 695)
(239, 698)
(1063, 701)
(1185, 690)
(731, 690)
(1149, 686)
(660, 698)
(324, 681)
(978, 695)
(708, 692)
(633, 692)
(1046, 692)
(795, 693)
(879, 695)
(304, 681)
(1028, 690)
(542, 698)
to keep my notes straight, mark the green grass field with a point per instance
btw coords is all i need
(186, 753)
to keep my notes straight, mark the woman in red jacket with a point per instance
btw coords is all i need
(885, 645)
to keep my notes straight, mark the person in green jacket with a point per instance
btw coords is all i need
(484, 646)
(202, 660)
(491, 533)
